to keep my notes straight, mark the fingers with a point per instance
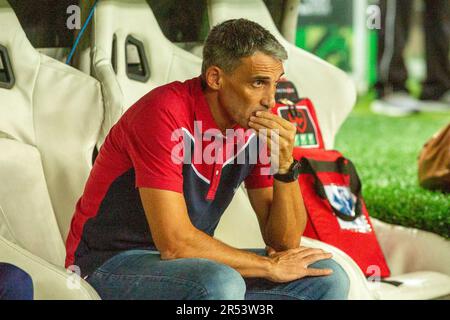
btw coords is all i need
(270, 126)
(301, 252)
(312, 256)
(309, 256)
(318, 272)
(317, 257)
(274, 131)
(273, 139)
(293, 263)
(291, 253)
(272, 117)
(268, 120)
(312, 251)
(269, 130)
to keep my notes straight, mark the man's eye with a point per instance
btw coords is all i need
(258, 83)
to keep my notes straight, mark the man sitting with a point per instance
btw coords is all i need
(144, 226)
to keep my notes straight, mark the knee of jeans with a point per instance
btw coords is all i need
(221, 282)
(17, 284)
(335, 286)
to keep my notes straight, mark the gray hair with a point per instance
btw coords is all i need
(234, 39)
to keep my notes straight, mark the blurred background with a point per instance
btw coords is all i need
(344, 32)
(335, 30)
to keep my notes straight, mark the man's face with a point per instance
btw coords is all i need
(250, 87)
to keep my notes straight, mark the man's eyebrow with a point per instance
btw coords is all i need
(261, 77)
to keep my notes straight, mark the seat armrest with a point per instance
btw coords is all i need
(409, 250)
(50, 282)
(359, 287)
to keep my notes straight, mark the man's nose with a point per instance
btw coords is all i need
(269, 98)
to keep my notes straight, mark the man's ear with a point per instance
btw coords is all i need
(213, 77)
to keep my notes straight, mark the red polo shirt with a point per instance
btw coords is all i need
(167, 140)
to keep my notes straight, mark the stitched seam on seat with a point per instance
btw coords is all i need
(107, 121)
(32, 101)
(100, 128)
(8, 226)
(169, 69)
(39, 151)
(67, 70)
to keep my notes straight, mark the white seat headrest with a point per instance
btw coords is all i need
(16, 101)
(221, 10)
(120, 20)
(12, 35)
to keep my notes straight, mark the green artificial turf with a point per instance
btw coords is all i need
(384, 151)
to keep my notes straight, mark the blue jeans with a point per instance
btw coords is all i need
(141, 274)
(15, 284)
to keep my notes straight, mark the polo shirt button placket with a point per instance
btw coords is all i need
(215, 179)
(214, 182)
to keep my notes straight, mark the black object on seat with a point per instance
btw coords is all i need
(136, 60)
(6, 74)
(392, 282)
(114, 54)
